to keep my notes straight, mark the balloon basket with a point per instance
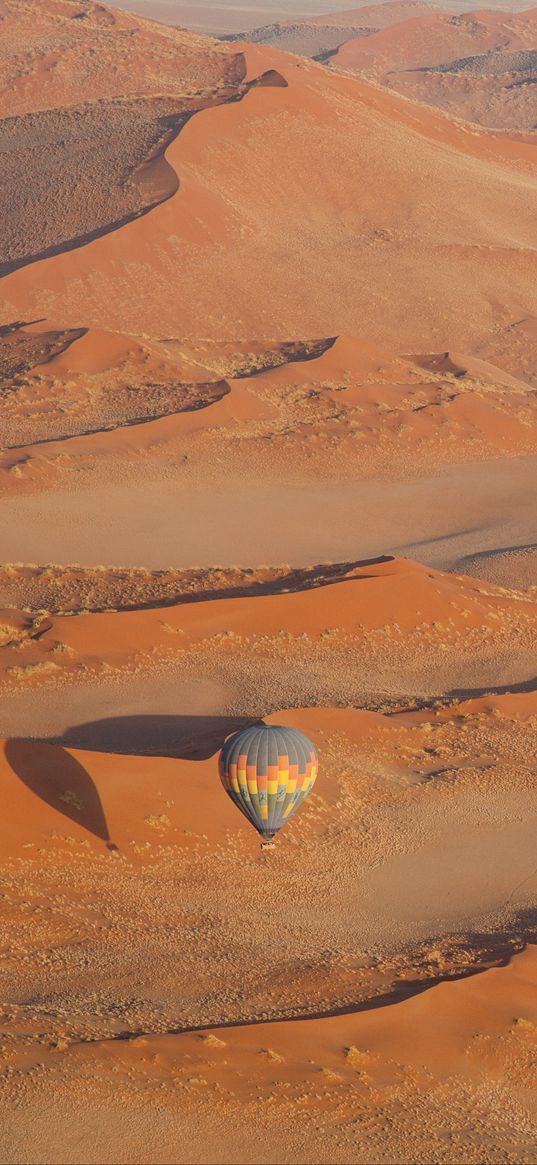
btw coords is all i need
(267, 845)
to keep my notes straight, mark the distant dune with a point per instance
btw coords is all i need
(218, 17)
(480, 66)
(477, 64)
(221, 17)
(320, 37)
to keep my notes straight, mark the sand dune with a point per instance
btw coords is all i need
(340, 408)
(320, 37)
(52, 57)
(436, 38)
(79, 823)
(385, 633)
(478, 65)
(64, 589)
(358, 266)
(87, 381)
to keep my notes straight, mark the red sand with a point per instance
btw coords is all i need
(320, 343)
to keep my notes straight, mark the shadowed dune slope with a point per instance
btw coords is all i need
(74, 173)
(305, 39)
(462, 236)
(338, 1088)
(385, 633)
(341, 407)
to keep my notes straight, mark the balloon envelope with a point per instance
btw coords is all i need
(268, 771)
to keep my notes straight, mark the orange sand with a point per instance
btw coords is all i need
(477, 66)
(454, 258)
(102, 850)
(299, 324)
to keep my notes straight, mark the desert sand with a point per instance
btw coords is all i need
(100, 852)
(268, 374)
(479, 65)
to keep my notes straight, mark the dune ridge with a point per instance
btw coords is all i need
(210, 205)
(382, 634)
(477, 65)
(141, 182)
(320, 1069)
(306, 406)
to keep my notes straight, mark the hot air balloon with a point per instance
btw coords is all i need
(268, 771)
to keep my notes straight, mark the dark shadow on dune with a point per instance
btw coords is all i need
(496, 552)
(270, 79)
(501, 690)
(62, 782)
(172, 125)
(448, 537)
(214, 391)
(8, 329)
(495, 948)
(288, 352)
(302, 578)
(446, 699)
(175, 123)
(183, 737)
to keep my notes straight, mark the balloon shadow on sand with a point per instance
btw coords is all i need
(62, 782)
(182, 737)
